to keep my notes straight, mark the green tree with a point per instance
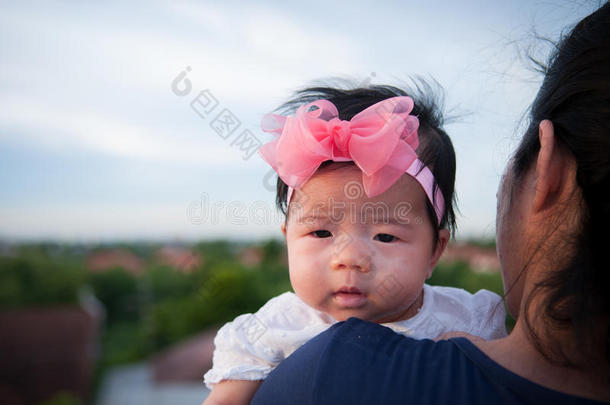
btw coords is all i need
(118, 291)
(38, 281)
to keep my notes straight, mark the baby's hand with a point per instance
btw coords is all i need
(449, 335)
(232, 392)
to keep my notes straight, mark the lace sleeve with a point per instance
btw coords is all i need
(490, 315)
(252, 345)
(237, 356)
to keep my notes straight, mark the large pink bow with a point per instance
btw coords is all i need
(381, 140)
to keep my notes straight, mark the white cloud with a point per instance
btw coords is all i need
(56, 127)
(241, 55)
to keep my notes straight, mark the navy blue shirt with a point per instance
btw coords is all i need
(359, 362)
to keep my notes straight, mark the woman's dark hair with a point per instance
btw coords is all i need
(575, 96)
(435, 149)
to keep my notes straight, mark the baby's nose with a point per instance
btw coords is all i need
(363, 267)
(351, 255)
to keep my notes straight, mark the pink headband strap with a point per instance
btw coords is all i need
(381, 141)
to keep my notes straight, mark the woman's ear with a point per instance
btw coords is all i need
(441, 244)
(283, 227)
(555, 170)
(546, 176)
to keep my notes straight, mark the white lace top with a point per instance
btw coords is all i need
(252, 345)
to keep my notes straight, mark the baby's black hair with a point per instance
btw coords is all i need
(435, 148)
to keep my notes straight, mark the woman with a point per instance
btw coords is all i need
(552, 223)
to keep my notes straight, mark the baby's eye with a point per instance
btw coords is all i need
(322, 233)
(384, 237)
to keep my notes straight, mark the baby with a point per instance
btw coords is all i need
(366, 180)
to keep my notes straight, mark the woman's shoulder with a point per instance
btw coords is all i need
(362, 362)
(351, 362)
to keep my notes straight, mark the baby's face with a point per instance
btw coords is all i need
(350, 255)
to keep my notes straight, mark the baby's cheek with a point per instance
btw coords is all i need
(318, 264)
(303, 272)
(389, 265)
(403, 274)
(299, 284)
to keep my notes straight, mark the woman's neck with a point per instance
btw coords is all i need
(518, 354)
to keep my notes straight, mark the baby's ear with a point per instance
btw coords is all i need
(441, 244)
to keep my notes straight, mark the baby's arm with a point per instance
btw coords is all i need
(232, 392)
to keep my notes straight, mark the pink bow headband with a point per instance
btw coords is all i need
(381, 141)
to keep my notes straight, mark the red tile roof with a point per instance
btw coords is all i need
(186, 361)
(107, 259)
(182, 259)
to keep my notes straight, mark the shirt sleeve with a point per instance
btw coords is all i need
(236, 356)
(489, 315)
(252, 345)
(454, 309)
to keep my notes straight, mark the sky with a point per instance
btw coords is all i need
(110, 112)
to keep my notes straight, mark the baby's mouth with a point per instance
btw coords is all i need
(351, 290)
(349, 297)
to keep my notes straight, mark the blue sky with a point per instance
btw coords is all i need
(95, 145)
